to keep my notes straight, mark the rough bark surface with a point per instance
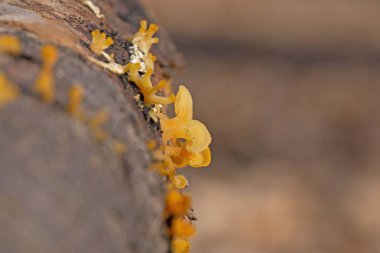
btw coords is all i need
(61, 190)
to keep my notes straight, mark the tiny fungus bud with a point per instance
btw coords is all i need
(180, 181)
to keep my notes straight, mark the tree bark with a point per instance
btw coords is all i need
(62, 190)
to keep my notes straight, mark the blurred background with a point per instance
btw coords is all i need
(290, 92)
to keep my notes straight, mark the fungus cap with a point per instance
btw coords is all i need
(183, 104)
(198, 136)
(180, 245)
(180, 181)
(181, 228)
(201, 159)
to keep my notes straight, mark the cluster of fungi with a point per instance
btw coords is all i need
(185, 141)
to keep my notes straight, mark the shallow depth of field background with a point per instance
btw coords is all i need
(290, 91)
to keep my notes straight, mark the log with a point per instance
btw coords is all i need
(61, 188)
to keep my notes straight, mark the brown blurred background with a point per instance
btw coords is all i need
(290, 91)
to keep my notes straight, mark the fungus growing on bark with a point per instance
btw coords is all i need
(146, 87)
(181, 228)
(177, 203)
(8, 91)
(74, 106)
(10, 44)
(180, 245)
(182, 126)
(100, 42)
(44, 85)
(180, 181)
(143, 39)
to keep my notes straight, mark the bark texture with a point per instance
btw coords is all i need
(61, 190)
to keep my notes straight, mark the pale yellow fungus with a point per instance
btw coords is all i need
(74, 106)
(10, 44)
(201, 159)
(99, 42)
(182, 126)
(44, 85)
(177, 203)
(95, 9)
(8, 91)
(181, 228)
(144, 37)
(181, 157)
(180, 245)
(119, 148)
(180, 181)
(149, 61)
(146, 87)
(194, 132)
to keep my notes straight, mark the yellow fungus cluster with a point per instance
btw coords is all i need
(100, 42)
(143, 39)
(44, 85)
(10, 45)
(8, 91)
(185, 141)
(146, 87)
(177, 207)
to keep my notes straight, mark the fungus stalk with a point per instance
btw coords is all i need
(44, 85)
(8, 91)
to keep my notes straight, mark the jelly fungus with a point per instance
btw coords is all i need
(74, 106)
(177, 203)
(146, 87)
(143, 39)
(44, 85)
(181, 228)
(100, 42)
(10, 45)
(180, 181)
(8, 91)
(180, 245)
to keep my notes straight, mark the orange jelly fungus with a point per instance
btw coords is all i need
(181, 228)
(8, 91)
(100, 42)
(146, 87)
(143, 39)
(74, 106)
(180, 245)
(182, 126)
(44, 85)
(10, 44)
(177, 203)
